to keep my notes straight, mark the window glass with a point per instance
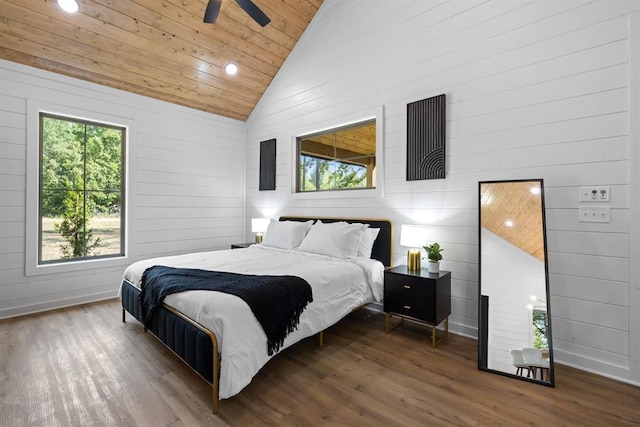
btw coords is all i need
(540, 322)
(338, 159)
(81, 182)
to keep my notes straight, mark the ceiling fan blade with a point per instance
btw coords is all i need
(254, 12)
(211, 13)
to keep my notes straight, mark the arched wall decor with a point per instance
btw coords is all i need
(426, 139)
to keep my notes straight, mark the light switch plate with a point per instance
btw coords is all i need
(594, 214)
(598, 193)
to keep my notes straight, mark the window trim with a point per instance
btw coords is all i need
(32, 266)
(348, 120)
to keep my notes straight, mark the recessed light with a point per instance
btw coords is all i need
(69, 6)
(535, 190)
(508, 223)
(231, 68)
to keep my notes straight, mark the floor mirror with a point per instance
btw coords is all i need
(514, 318)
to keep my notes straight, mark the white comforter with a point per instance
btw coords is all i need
(338, 285)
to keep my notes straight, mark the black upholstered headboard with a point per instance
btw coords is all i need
(381, 248)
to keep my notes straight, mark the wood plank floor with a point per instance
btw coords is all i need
(83, 366)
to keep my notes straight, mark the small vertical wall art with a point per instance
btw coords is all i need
(268, 165)
(426, 139)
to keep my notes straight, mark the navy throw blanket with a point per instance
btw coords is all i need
(276, 301)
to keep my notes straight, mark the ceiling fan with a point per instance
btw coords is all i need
(213, 8)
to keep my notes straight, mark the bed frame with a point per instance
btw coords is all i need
(196, 345)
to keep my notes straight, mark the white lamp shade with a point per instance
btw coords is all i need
(259, 225)
(413, 236)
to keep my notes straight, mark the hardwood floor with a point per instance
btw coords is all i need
(83, 366)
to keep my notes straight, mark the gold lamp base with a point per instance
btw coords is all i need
(259, 237)
(413, 259)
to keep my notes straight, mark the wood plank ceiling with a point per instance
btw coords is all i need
(514, 202)
(158, 48)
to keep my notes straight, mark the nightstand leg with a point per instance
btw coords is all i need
(433, 336)
(387, 329)
(434, 341)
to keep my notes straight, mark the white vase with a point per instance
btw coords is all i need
(434, 267)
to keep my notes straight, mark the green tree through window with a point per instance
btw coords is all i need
(540, 338)
(81, 189)
(322, 174)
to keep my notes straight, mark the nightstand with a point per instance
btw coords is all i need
(241, 245)
(418, 296)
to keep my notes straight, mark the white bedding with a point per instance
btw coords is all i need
(339, 286)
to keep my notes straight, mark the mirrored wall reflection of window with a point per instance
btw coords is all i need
(338, 159)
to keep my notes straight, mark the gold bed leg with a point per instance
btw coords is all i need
(216, 377)
(215, 380)
(321, 339)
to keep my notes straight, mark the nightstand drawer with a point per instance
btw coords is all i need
(407, 304)
(414, 286)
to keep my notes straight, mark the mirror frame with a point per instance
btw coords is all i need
(483, 301)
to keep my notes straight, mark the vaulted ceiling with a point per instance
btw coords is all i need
(519, 205)
(159, 48)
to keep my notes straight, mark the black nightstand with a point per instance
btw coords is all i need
(418, 296)
(241, 245)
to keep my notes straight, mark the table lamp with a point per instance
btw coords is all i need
(259, 226)
(413, 236)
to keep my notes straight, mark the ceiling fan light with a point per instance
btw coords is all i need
(69, 6)
(231, 68)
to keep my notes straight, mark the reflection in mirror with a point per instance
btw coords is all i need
(337, 159)
(514, 317)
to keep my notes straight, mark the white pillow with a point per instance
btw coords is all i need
(286, 234)
(366, 243)
(337, 239)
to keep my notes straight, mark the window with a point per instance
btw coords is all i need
(539, 322)
(337, 159)
(81, 189)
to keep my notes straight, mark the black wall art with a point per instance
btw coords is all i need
(268, 165)
(426, 139)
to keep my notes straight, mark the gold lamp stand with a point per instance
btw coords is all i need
(413, 259)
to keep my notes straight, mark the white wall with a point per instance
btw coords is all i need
(510, 276)
(187, 184)
(534, 90)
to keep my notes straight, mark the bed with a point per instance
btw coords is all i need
(216, 334)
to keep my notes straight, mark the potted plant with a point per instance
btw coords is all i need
(434, 255)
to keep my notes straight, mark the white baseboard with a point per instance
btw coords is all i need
(615, 372)
(52, 305)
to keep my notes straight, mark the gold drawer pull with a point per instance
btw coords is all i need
(406, 286)
(407, 307)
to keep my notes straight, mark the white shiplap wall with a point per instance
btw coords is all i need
(535, 89)
(187, 183)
